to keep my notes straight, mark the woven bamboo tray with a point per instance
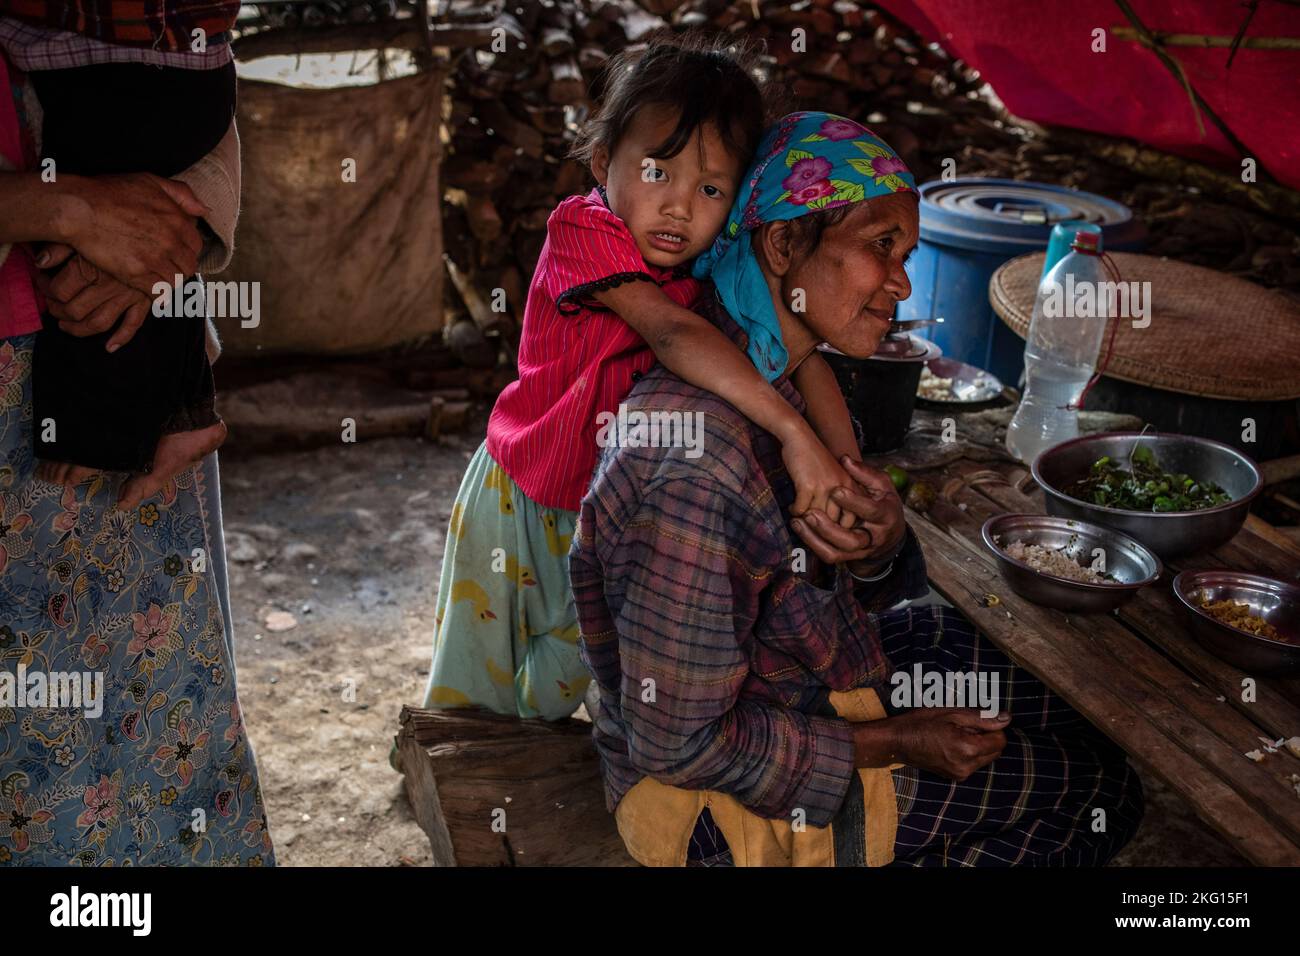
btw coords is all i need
(1211, 334)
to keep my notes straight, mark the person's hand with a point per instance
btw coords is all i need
(139, 228)
(87, 301)
(951, 741)
(816, 475)
(878, 528)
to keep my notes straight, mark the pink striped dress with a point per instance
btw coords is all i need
(576, 358)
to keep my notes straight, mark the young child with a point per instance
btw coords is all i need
(148, 406)
(611, 293)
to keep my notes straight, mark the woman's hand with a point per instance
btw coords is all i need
(952, 741)
(879, 528)
(140, 228)
(87, 301)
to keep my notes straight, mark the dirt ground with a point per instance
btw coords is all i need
(334, 556)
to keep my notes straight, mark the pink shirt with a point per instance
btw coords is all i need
(576, 358)
(19, 312)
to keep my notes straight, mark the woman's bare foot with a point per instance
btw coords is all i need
(64, 473)
(175, 453)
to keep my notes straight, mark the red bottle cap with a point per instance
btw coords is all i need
(1086, 241)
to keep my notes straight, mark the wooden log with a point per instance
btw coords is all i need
(592, 58)
(557, 42)
(311, 409)
(545, 118)
(494, 114)
(566, 85)
(455, 415)
(473, 175)
(488, 321)
(492, 790)
(851, 15)
(829, 66)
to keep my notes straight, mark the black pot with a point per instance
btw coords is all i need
(881, 390)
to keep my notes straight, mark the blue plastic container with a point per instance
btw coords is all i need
(969, 227)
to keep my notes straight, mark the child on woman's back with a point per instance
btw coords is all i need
(611, 293)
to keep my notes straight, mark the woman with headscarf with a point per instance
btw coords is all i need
(749, 706)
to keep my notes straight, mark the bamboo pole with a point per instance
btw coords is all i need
(1202, 40)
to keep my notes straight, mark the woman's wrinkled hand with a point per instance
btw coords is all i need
(140, 228)
(952, 741)
(87, 301)
(878, 527)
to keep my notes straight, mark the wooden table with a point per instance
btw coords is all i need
(1137, 674)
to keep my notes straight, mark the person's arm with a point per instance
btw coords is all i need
(33, 211)
(696, 350)
(137, 227)
(215, 180)
(827, 411)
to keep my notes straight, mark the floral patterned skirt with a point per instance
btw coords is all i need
(156, 769)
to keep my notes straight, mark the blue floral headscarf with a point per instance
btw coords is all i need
(807, 162)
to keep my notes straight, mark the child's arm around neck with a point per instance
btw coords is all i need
(697, 351)
(827, 411)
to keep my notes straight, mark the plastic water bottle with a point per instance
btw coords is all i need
(1065, 335)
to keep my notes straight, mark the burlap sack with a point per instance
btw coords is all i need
(343, 267)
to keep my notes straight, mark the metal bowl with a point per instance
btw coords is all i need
(970, 385)
(1170, 533)
(1132, 566)
(1275, 601)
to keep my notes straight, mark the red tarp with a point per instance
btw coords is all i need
(1037, 55)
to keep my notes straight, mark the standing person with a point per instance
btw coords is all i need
(156, 769)
(153, 412)
(609, 296)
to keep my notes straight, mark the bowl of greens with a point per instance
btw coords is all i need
(1177, 494)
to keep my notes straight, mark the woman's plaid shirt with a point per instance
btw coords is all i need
(712, 647)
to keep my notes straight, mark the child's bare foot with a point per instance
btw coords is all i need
(64, 473)
(175, 453)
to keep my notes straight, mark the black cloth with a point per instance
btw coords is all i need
(110, 410)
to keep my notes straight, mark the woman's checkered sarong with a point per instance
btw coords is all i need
(1038, 803)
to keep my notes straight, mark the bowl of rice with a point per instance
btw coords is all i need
(1069, 564)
